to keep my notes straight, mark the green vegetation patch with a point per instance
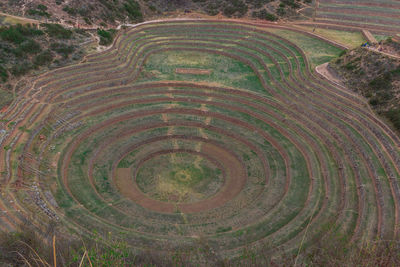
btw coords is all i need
(6, 98)
(350, 39)
(106, 36)
(40, 10)
(57, 31)
(224, 70)
(179, 177)
(316, 50)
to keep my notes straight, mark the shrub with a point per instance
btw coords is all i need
(84, 11)
(350, 66)
(12, 34)
(71, 11)
(235, 8)
(280, 11)
(106, 37)
(28, 30)
(30, 47)
(87, 21)
(258, 3)
(41, 7)
(39, 11)
(291, 3)
(212, 9)
(394, 116)
(62, 49)
(263, 14)
(396, 72)
(382, 82)
(133, 9)
(57, 31)
(3, 74)
(374, 101)
(43, 58)
(21, 68)
(152, 8)
(343, 53)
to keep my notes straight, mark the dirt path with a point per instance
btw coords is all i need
(383, 53)
(33, 21)
(323, 69)
(368, 35)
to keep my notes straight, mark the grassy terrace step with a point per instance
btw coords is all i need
(375, 11)
(295, 153)
(377, 16)
(340, 23)
(360, 18)
(362, 2)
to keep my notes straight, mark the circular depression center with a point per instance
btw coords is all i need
(179, 177)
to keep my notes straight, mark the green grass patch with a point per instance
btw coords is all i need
(316, 50)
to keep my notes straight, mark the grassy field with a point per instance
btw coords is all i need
(350, 39)
(378, 17)
(6, 20)
(316, 50)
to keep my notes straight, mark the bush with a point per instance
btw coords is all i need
(133, 9)
(39, 11)
(235, 8)
(3, 74)
(394, 116)
(21, 69)
(28, 30)
(212, 9)
(71, 11)
(87, 21)
(27, 47)
(258, 3)
(342, 53)
(43, 58)
(30, 47)
(12, 34)
(263, 14)
(382, 82)
(41, 7)
(291, 3)
(106, 37)
(57, 31)
(62, 49)
(374, 101)
(280, 11)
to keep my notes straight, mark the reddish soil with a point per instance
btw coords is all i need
(193, 71)
(234, 173)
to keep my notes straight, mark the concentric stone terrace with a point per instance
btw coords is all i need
(251, 149)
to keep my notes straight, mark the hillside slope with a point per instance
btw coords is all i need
(375, 76)
(27, 50)
(110, 13)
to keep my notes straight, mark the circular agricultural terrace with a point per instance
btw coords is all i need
(189, 129)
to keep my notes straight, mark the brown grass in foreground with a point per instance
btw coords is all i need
(26, 248)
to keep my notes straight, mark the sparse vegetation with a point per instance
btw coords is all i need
(106, 36)
(43, 58)
(40, 10)
(27, 248)
(57, 31)
(375, 76)
(263, 14)
(24, 48)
